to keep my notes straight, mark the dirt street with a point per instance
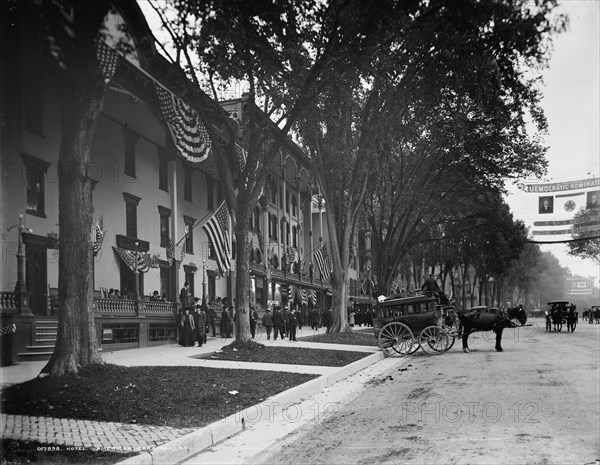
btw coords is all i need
(535, 403)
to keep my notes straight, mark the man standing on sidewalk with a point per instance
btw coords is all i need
(277, 323)
(267, 321)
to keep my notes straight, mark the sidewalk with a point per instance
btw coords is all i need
(164, 444)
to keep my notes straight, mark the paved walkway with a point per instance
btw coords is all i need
(127, 437)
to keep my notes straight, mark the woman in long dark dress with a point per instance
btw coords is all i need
(187, 328)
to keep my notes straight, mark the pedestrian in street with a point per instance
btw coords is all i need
(351, 318)
(267, 322)
(253, 321)
(278, 328)
(187, 327)
(292, 323)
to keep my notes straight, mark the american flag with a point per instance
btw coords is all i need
(107, 59)
(242, 156)
(170, 252)
(323, 263)
(189, 133)
(97, 236)
(217, 230)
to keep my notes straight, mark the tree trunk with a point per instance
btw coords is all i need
(76, 344)
(242, 310)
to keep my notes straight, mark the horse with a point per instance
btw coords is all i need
(572, 318)
(475, 321)
(557, 318)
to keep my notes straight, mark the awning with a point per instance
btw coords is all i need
(362, 300)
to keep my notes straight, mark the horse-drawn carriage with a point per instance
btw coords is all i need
(559, 313)
(404, 323)
(408, 321)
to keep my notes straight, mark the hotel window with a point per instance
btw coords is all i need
(35, 171)
(187, 183)
(163, 173)
(165, 216)
(189, 236)
(131, 204)
(294, 206)
(130, 139)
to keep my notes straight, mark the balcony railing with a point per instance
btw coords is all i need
(132, 307)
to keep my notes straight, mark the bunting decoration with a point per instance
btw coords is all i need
(135, 260)
(97, 236)
(188, 131)
(304, 297)
(217, 230)
(107, 59)
(323, 263)
(9, 329)
(291, 292)
(312, 295)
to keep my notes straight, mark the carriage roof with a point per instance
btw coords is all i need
(554, 302)
(397, 301)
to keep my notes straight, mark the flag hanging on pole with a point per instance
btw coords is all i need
(188, 132)
(97, 236)
(323, 263)
(217, 230)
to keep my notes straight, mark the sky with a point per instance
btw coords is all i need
(572, 105)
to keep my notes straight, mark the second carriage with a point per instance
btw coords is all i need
(404, 323)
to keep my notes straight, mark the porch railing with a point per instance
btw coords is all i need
(8, 300)
(132, 307)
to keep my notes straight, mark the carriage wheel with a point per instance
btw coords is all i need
(396, 338)
(434, 340)
(451, 336)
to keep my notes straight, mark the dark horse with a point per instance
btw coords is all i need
(496, 321)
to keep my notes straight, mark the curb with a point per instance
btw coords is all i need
(184, 447)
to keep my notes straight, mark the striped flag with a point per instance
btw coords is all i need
(170, 252)
(217, 230)
(189, 134)
(323, 263)
(97, 236)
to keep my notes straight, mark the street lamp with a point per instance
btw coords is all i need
(20, 286)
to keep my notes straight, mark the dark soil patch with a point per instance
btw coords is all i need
(254, 352)
(180, 397)
(22, 452)
(357, 338)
